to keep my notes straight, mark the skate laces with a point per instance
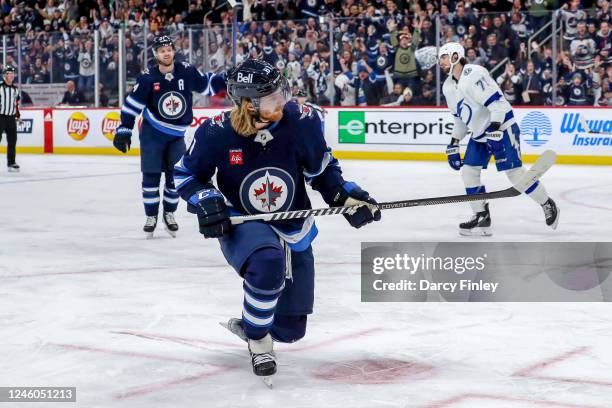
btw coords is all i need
(548, 211)
(262, 358)
(169, 217)
(150, 221)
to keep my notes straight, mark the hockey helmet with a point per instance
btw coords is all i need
(258, 81)
(7, 69)
(450, 49)
(161, 41)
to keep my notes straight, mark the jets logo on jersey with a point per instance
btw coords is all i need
(172, 105)
(267, 190)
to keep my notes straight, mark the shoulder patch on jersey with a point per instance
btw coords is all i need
(145, 71)
(185, 64)
(218, 120)
(467, 71)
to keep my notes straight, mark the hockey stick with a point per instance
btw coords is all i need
(544, 162)
(587, 128)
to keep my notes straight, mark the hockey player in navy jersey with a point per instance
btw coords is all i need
(163, 94)
(263, 153)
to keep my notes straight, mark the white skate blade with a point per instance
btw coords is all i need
(267, 380)
(12, 170)
(171, 233)
(476, 232)
(148, 235)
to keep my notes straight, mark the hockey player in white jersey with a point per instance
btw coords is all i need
(480, 109)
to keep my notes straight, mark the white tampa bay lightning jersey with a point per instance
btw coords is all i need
(475, 101)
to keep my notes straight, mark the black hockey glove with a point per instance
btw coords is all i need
(213, 214)
(123, 139)
(351, 194)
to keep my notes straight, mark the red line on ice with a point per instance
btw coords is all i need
(164, 385)
(131, 354)
(526, 372)
(176, 338)
(565, 196)
(469, 396)
(529, 372)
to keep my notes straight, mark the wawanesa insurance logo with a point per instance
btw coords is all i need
(394, 127)
(536, 128)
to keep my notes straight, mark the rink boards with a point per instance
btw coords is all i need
(375, 133)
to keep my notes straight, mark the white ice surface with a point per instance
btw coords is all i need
(86, 301)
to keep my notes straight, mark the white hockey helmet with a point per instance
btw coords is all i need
(451, 48)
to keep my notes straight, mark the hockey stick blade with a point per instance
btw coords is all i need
(587, 128)
(544, 162)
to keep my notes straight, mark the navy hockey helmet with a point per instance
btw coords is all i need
(255, 79)
(162, 41)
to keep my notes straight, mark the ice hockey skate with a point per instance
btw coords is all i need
(149, 226)
(170, 224)
(479, 225)
(551, 213)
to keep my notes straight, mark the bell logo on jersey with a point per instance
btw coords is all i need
(172, 105)
(247, 79)
(236, 158)
(267, 190)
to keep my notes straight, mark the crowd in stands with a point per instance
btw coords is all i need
(350, 52)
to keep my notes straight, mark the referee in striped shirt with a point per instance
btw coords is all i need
(9, 114)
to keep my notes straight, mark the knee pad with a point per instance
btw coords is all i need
(471, 176)
(151, 179)
(264, 269)
(289, 329)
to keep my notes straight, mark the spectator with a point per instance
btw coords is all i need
(494, 52)
(532, 87)
(582, 49)
(603, 44)
(571, 16)
(72, 96)
(426, 98)
(405, 66)
(577, 92)
(86, 66)
(395, 97)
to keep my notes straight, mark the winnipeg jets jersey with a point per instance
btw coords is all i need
(266, 172)
(165, 100)
(475, 101)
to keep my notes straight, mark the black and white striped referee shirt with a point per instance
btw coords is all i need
(9, 96)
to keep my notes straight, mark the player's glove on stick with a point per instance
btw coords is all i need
(213, 214)
(123, 139)
(454, 157)
(350, 194)
(495, 141)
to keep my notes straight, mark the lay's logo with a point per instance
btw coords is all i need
(78, 126)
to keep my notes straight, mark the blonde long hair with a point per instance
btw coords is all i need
(242, 121)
